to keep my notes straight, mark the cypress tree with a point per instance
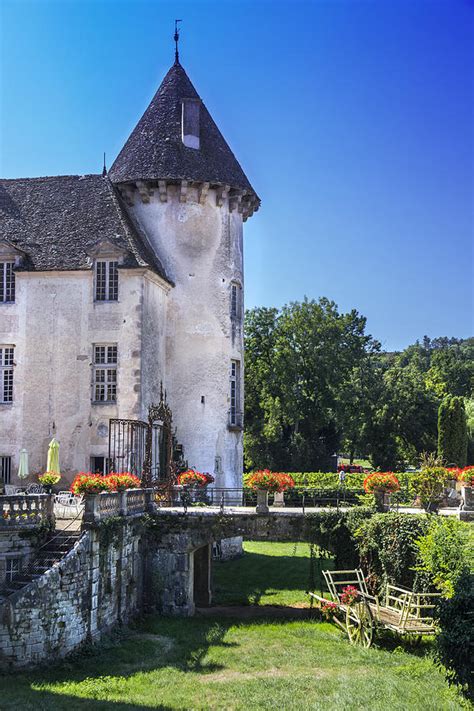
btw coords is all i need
(452, 431)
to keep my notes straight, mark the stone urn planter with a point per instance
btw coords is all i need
(279, 499)
(382, 500)
(466, 509)
(262, 501)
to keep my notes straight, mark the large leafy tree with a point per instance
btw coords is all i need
(300, 362)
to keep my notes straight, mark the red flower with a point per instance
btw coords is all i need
(384, 481)
(194, 478)
(87, 483)
(349, 594)
(122, 482)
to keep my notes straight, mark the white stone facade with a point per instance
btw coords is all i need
(183, 336)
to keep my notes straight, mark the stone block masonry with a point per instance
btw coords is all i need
(96, 586)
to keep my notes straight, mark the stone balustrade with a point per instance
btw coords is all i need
(132, 502)
(23, 510)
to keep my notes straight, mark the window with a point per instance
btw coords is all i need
(100, 465)
(235, 301)
(7, 282)
(12, 568)
(190, 130)
(106, 280)
(104, 384)
(5, 470)
(235, 416)
(6, 374)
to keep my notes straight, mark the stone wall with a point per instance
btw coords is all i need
(16, 544)
(52, 384)
(201, 247)
(97, 585)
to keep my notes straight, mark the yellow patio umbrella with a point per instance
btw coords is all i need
(53, 456)
(23, 471)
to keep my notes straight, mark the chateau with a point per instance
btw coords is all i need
(112, 285)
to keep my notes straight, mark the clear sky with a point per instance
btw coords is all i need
(353, 120)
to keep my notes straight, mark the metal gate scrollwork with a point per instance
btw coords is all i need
(147, 449)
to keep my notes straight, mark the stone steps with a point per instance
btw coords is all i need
(50, 553)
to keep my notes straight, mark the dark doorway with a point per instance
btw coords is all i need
(202, 576)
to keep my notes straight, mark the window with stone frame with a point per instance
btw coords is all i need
(12, 568)
(6, 374)
(104, 378)
(7, 282)
(236, 301)
(235, 415)
(5, 470)
(106, 280)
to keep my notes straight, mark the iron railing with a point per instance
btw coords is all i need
(225, 497)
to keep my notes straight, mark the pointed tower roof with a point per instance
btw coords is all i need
(155, 149)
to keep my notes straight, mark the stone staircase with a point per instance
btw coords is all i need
(51, 552)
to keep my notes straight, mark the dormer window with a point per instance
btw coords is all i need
(190, 128)
(7, 282)
(106, 280)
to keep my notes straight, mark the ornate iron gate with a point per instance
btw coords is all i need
(144, 448)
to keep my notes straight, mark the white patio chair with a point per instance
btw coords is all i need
(67, 505)
(34, 489)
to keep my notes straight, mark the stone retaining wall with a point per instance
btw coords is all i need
(98, 584)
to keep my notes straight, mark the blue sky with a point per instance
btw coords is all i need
(353, 119)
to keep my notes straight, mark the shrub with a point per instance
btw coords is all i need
(387, 547)
(446, 551)
(455, 638)
(379, 481)
(429, 484)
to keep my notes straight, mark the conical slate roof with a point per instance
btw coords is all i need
(155, 151)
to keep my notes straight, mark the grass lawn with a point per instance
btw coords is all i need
(239, 664)
(200, 663)
(267, 574)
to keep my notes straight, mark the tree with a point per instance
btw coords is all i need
(452, 431)
(298, 362)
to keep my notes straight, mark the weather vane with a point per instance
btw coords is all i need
(176, 40)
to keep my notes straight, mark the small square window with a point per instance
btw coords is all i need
(12, 568)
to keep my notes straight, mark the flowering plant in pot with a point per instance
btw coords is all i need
(429, 485)
(263, 482)
(381, 484)
(48, 480)
(88, 483)
(466, 476)
(123, 481)
(193, 478)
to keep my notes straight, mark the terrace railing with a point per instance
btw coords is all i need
(133, 502)
(25, 510)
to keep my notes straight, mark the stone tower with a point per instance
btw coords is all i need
(188, 196)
